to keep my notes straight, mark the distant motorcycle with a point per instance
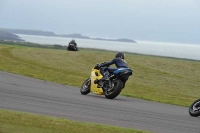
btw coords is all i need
(72, 47)
(111, 87)
(194, 109)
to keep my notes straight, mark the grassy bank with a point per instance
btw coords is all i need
(166, 80)
(16, 122)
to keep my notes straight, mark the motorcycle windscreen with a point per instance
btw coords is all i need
(95, 74)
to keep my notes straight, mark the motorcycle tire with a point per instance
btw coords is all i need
(115, 91)
(85, 88)
(194, 109)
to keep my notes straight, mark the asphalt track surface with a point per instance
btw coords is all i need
(40, 97)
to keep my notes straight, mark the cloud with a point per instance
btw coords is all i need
(150, 19)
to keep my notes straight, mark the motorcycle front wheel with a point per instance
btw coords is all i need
(194, 109)
(113, 92)
(85, 88)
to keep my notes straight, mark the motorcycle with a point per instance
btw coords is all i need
(72, 47)
(109, 87)
(194, 109)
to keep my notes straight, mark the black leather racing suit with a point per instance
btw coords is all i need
(72, 46)
(73, 42)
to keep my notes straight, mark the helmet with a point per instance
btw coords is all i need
(120, 55)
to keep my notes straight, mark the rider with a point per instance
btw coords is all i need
(119, 63)
(72, 46)
(73, 42)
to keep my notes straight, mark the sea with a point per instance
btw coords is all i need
(174, 50)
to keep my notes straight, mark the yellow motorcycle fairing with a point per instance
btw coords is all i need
(95, 74)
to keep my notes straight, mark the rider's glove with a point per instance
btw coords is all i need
(98, 66)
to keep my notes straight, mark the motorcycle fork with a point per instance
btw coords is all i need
(108, 86)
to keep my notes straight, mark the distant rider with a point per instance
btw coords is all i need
(73, 42)
(72, 45)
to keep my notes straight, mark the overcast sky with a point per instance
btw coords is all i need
(149, 20)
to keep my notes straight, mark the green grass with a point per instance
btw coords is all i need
(17, 122)
(160, 79)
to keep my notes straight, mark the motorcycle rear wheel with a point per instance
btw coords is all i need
(85, 88)
(194, 109)
(115, 90)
